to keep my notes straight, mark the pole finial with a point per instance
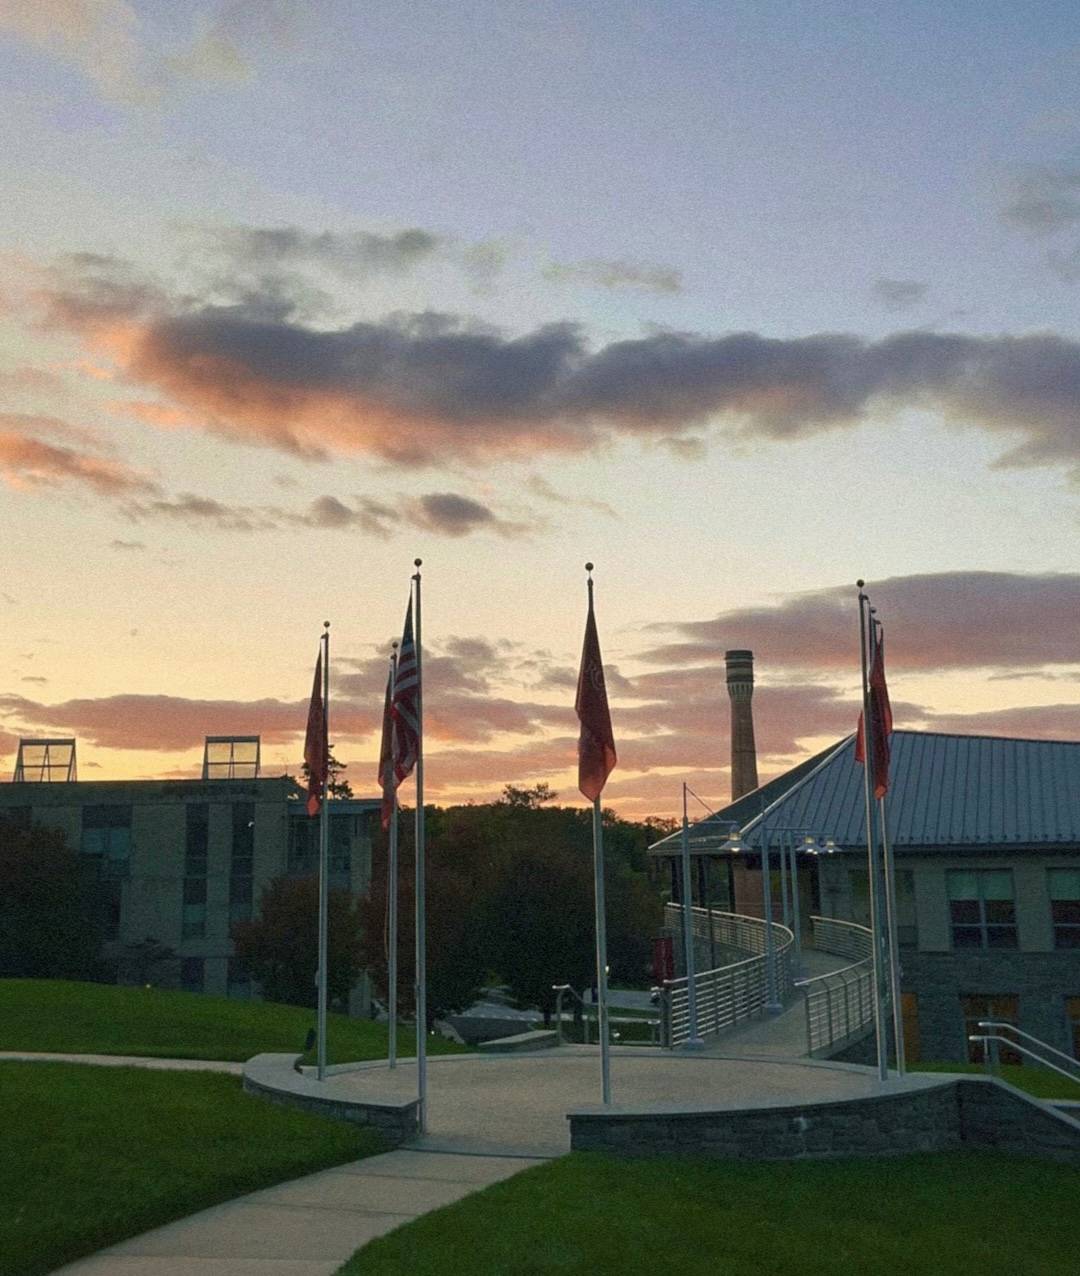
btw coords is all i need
(418, 562)
(860, 583)
(326, 624)
(588, 567)
(394, 644)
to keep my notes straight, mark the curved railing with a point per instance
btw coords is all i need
(840, 1005)
(728, 994)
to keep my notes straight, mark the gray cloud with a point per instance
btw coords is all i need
(127, 546)
(942, 620)
(429, 388)
(899, 294)
(1044, 200)
(596, 273)
(200, 510)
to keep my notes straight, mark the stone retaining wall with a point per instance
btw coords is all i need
(273, 1077)
(953, 1112)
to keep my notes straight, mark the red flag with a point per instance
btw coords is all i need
(881, 715)
(596, 744)
(386, 750)
(405, 706)
(316, 745)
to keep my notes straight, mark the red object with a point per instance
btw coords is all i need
(405, 706)
(386, 749)
(316, 745)
(663, 958)
(881, 717)
(596, 744)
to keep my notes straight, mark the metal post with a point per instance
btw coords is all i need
(796, 925)
(871, 851)
(601, 952)
(421, 936)
(693, 1041)
(324, 866)
(894, 947)
(784, 906)
(708, 905)
(772, 998)
(392, 939)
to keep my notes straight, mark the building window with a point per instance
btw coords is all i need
(1072, 1014)
(192, 974)
(106, 838)
(981, 908)
(978, 1007)
(242, 862)
(193, 924)
(1065, 906)
(303, 858)
(197, 840)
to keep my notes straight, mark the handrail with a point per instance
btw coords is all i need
(990, 1057)
(1001, 1023)
(839, 1004)
(832, 974)
(560, 990)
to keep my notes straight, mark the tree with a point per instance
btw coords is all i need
(281, 946)
(531, 799)
(49, 927)
(337, 786)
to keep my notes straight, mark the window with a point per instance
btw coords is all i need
(1065, 906)
(242, 861)
(1072, 1013)
(978, 1007)
(197, 843)
(239, 979)
(193, 922)
(192, 974)
(981, 908)
(106, 837)
(303, 846)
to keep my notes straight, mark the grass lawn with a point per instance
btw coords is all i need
(1040, 1082)
(79, 1018)
(950, 1214)
(89, 1156)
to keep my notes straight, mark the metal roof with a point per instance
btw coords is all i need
(944, 791)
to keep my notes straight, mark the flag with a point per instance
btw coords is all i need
(405, 706)
(881, 712)
(386, 765)
(596, 744)
(316, 746)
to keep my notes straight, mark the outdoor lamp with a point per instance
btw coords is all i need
(734, 844)
(810, 845)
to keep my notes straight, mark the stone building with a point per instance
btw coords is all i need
(179, 861)
(986, 837)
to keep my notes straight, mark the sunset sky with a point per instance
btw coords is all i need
(740, 300)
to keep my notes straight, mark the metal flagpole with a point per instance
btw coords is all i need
(871, 854)
(324, 864)
(421, 937)
(693, 1041)
(601, 946)
(891, 922)
(392, 889)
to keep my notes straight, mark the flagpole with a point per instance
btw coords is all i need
(392, 890)
(421, 938)
(872, 865)
(693, 1041)
(891, 923)
(324, 857)
(601, 928)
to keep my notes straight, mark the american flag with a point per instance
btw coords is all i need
(405, 705)
(386, 767)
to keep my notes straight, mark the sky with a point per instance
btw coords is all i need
(740, 302)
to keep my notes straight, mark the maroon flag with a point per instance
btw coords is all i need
(596, 744)
(386, 749)
(316, 746)
(405, 706)
(881, 715)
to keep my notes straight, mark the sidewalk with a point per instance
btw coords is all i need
(127, 1061)
(325, 1217)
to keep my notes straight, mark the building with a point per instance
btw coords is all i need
(179, 861)
(986, 837)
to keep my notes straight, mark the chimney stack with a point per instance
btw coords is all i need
(740, 685)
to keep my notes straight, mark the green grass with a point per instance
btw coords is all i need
(951, 1214)
(90, 1155)
(56, 1016)
(1040, 1082)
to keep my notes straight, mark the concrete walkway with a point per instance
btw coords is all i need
(308, 1227)
(127, 1061)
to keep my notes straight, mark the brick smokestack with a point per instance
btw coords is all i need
(740, 685)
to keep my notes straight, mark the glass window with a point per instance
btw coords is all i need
(303, 846)
(239, 978)
(193, 917)
(1064, 884)
(106, 837)
(977, 1007)
(981, 908)
(197, 841)
(192, 974)
(241, 893)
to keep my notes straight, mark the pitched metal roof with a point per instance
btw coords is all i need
(945, 791)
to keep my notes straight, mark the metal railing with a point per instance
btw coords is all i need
(728, 994)
(990, 1041)
(839, 1005)
(619, 1026)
